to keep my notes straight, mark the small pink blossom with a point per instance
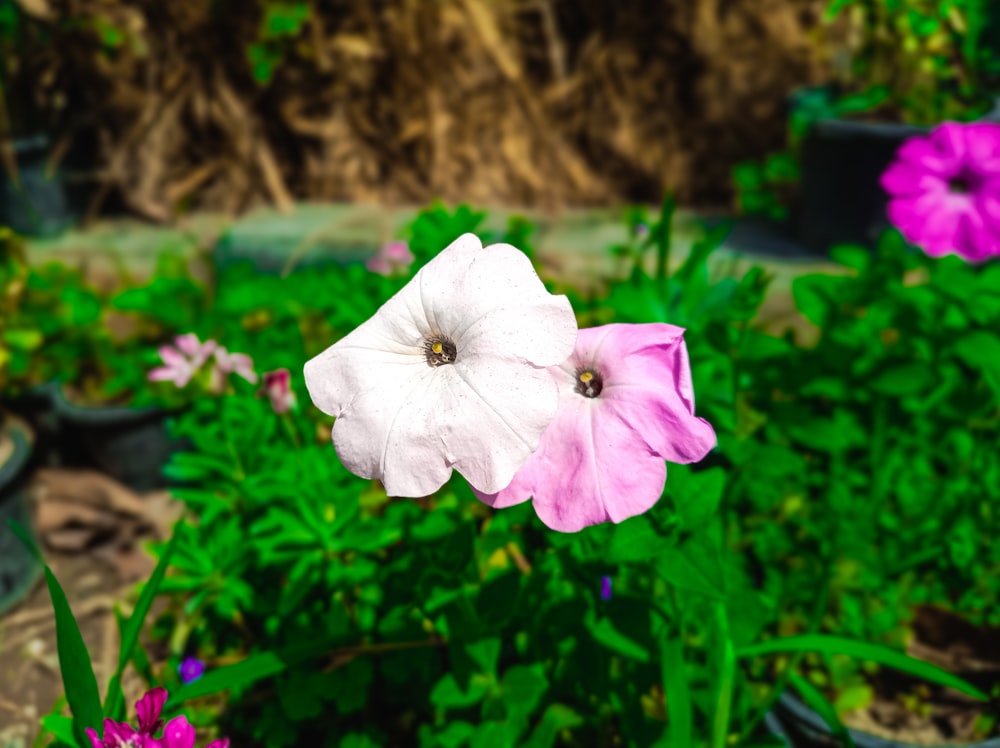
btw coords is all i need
(392, 259)
(944, 190)
(277, 387)
(182, 363)
(626, 404)
(227, 363)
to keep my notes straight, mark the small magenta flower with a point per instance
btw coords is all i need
(182, 362)
(944, 190)
(191, 669)
(178, 733)
(393, 258)
(605, 588)
(626, 404)
(277, 387)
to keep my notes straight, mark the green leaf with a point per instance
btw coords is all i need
(555, 719)
(455, 734)
(634, 540)
(980, 350)
(696, 495)
(78, 678)
(62, 727)
(522, 688)
(252, 669)
(604, 632)
(833, 645)
(818, 703)
(23, 340)
(485, 654)
(493, 735)
(903, 379)
(133, 626)
(694, 565)
(447, 693)
(676, 691)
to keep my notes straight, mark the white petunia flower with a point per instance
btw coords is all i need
(448, 374)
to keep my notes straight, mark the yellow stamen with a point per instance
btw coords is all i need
(437, 347)
(586, 377)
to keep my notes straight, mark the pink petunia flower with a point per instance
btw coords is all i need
(392, 259)
(183, 361)
(626, 404)
(944, 190)
(277, 387)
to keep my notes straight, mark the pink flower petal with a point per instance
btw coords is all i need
(920, 152)
(904, 178)
(178, 734)
(188, 344)
(171, 356)
(222, 743)
(94, 740)
(148, 710)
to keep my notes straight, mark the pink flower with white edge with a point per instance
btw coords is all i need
(449, 374)
(182, 363)
(626, 405)
(277, 386)
(392, 259)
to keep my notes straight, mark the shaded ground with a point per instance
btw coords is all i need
(93, 531)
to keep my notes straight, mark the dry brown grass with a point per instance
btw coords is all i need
(518, 102)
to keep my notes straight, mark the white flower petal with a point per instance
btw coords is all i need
(541, 332)
(505, 408)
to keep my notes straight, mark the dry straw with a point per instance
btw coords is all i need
(518, 102)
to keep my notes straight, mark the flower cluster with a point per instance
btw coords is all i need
(474, 367)
(190, 358)
(177, 733)
(392, 259)
(944, 190)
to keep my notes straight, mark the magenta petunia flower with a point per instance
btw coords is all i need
(944, 190)
(626, 404)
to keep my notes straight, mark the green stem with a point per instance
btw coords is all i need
(727, 676)
(290, 428)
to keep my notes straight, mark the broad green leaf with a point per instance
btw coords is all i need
(634, 540)
(555, 719)
(62, 727)
(522, 688)
(485, 654)
(864, 651)
(696, 495)
(903, 379)
(694, 565)
(78, 678)
(455, 734)
(448, 693)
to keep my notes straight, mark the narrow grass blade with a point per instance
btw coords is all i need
(818, 703)
(832, 645)
(78, 677)
(675, 689)
(132, 626)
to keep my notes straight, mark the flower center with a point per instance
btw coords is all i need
(959, 186)
(439, 351)
(588, 383)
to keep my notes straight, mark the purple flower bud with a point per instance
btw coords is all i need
(641, 230)
(191, 669)
(605, 588)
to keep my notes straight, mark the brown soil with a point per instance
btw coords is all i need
(946, 717)
(98, 569)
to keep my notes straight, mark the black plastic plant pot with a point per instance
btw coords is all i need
(132, 445)
(19, 570)
(41, 204)
(841, 199)
(801, 727)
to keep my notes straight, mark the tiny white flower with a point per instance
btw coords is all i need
(448, 374)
